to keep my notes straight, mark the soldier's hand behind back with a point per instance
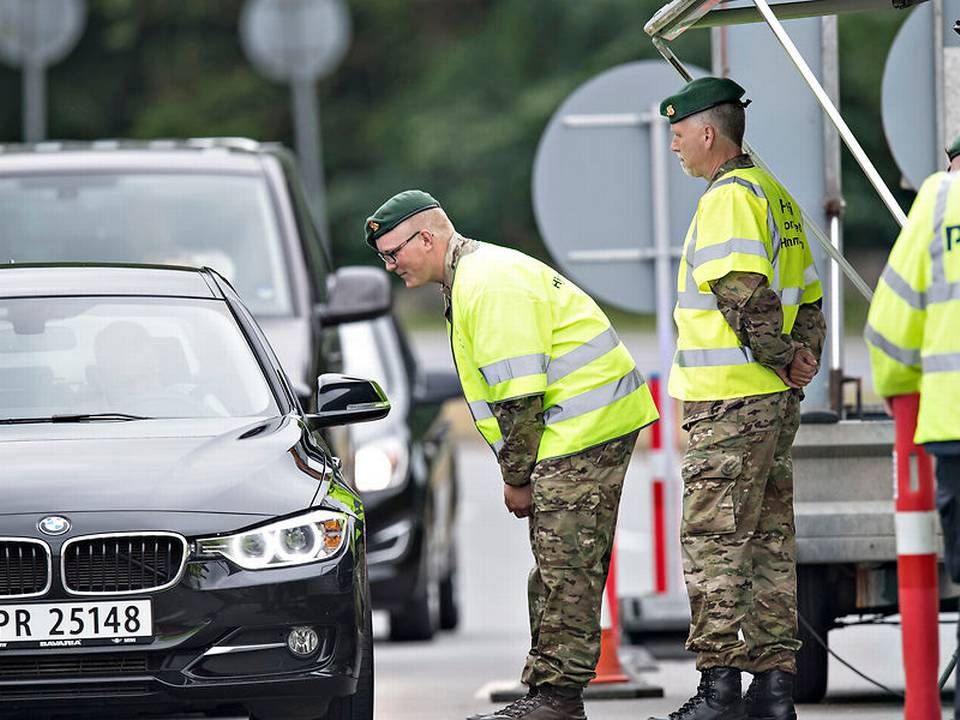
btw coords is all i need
(803, 367)
(518, 499)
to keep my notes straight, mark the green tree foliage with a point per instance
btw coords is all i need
(448, 95)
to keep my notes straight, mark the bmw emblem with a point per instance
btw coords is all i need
(54, 525)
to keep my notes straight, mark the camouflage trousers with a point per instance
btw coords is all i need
(737, 535)
(575, 504)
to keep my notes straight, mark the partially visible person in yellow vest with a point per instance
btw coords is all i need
(913, 332)
(558, 398)
(750, 334)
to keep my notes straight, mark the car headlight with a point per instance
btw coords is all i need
(380, 465)
(304, 539)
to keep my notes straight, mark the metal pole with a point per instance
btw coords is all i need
(939, 86)
(809, 223)
(306, 124)
(848, 137)
(663, 266)
(833, 205)
(34, 101)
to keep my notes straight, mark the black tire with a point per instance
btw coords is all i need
(419, 619)
(449, 603)
(810, 685)
(358, 706)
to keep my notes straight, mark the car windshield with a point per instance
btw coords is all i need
(226, 222)
(147, 357)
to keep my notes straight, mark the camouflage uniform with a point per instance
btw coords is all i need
(575, 504)
(737, 533)
(572, 523)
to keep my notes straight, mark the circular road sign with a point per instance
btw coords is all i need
(289, 40)
(909, 99)
(594, 184)
(39, 32)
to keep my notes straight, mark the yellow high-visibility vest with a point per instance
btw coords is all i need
(913, 328)
(519, 328)
(746, 222)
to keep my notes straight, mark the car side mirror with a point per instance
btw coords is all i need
(342, 399)
(355, 293)
(437, 387)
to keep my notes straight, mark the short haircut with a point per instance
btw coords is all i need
(728, 119)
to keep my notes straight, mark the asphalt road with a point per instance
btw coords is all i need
(451, 677)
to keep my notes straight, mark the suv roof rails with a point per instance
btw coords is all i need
(230, 144)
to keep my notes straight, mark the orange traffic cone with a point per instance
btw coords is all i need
(609, 669)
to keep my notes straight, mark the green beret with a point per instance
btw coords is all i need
(700, 94)
(394, 211)
(954, 148)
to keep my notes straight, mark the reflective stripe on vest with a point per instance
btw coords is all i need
(904, 356)
(945, 362)
(556, 368)
(594, 348)
(714, 357)
(480, 410)
(758, 191)
(901, 288)
(743, 246)
(593, 399)
(513, 368)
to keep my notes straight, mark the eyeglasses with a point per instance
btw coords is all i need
(390, 256)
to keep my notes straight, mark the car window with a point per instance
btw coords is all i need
(370, 350)
(317, 259)
(227, 222)
(156, 357)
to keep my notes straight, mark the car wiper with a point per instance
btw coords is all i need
(79, 418)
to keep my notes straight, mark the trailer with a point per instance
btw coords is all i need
(844, 492)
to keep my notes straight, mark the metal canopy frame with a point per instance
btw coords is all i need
(678, 16)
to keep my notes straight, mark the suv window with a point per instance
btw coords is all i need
(225, 221)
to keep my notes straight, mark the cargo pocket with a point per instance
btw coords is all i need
(565, 522)
(708, 483)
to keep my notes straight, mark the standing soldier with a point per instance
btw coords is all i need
(559, 399)
(912, 335)
(750, 334)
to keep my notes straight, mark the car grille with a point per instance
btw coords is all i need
(46, 693)
(24, 568)
(26, 667)
(116, 564)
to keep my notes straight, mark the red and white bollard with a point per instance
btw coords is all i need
(659, 498)
(919, 597)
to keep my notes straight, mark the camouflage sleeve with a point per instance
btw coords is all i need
(521, 424)
(810, 327)
(753, 310)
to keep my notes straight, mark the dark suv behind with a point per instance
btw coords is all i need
(238, 206)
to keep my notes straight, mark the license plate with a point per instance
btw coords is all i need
(72, 624)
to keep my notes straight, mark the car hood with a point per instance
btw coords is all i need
(223, 465)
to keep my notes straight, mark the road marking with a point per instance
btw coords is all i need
(485, 691)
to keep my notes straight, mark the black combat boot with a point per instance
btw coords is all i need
(546, 702)
(717, 698)
(770, 696)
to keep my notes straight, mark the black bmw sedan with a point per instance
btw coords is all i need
(174, 534)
